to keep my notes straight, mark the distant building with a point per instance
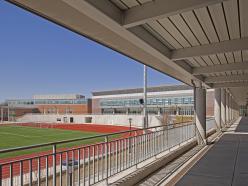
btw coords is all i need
(47, 104)
(12, 113)
(63, 104)
(170, 99)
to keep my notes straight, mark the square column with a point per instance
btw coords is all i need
(227, 108)
(234, 109)
(217, 107)
(223, 107)
(230, 108)
(200, 113)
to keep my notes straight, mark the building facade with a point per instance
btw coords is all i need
(46, 104)
(169, 99)
(12, 113)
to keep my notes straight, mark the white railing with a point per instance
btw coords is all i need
(92, 163)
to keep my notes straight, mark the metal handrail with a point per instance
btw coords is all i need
(94, 162)
(84, 138)
(80, 139)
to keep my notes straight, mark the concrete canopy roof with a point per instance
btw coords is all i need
(204, 41)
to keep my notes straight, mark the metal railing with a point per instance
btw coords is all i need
(91, 163)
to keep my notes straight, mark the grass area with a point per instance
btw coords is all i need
(17, 136)
(180, 119)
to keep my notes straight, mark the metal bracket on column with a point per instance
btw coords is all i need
(196, 83)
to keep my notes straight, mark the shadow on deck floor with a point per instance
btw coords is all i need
(226, 163)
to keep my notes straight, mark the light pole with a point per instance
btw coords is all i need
(2, 114)
(8, 113)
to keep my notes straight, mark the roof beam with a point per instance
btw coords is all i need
(209, 49)
(161, 8)
(131, 44)
(220, 68)
(228, 85)
(231, 78)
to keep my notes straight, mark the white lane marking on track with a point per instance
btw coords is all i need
(8, 133)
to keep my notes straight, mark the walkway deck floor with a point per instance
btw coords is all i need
(226, 163)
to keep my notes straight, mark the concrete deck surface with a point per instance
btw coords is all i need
(226, 163)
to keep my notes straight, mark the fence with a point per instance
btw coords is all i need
(94, 163)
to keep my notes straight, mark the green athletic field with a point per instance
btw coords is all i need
(17, 136)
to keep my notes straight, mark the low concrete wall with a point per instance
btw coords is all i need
(211, 132)
(137, 120)
(143, 172)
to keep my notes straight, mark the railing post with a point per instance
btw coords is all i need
(106, 141)
(167, 137)
(21, 174)
(1, 175)
(79, 156)
(155, 143)
(11, 174)
(136, 149)
(54, 165)
(30, 172)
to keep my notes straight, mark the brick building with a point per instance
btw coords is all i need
(46, 104)
(12, 113)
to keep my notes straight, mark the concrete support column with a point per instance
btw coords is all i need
(238, 110)
(230, 108)
(200, 113)
(235, 110)
(223, 107)
(227, 108)
(217, 107)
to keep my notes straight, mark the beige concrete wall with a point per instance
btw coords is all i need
(137, 120)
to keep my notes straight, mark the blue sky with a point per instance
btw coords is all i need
(39, 57)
